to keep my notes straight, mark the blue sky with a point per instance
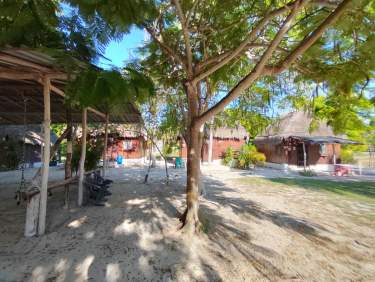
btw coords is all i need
(118, 53)
(123, 51)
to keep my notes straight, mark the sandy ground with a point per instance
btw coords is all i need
(252, 232)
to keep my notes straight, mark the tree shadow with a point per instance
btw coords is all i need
(249, 208)
(127, 240)
(134, 236)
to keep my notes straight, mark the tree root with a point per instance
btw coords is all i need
(189, 227)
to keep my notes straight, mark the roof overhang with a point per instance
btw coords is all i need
(21, 72)
(326, 140)
(277, 139)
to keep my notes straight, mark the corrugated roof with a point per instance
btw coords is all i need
(13, 92)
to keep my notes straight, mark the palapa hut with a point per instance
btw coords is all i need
(32, 92)
(292, 142)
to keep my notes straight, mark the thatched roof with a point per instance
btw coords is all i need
(298, 125)
(33, 134)
(230, 133)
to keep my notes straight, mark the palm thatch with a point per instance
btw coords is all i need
(238, 133)
(300, 125)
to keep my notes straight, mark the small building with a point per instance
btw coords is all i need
(12, 138)
(128, 143)
(222, 138)
(295, 141)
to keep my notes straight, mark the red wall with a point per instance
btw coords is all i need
(116, 148)
(219, 147)
(277, 153)
(314, 156)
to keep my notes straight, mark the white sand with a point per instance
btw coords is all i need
(252, 233)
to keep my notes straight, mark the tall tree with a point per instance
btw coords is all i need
(195, 42)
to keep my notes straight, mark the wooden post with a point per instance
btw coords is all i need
(83, 157)
(304, 156)
(105, 144)
(46, 156)
(334, 154)
(211, 140)
(69, 154)
(32, 215)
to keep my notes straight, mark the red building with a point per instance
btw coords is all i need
(128, 144)
(292, 142)
(222, 138)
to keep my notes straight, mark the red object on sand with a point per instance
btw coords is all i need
(341, 170)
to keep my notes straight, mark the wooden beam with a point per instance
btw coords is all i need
(46, 155)
(83, 157)
(21, 62)
(12, 75)
(14, 103)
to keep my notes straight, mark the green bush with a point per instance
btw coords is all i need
(94, 153)
(12, 154)
(228, 156)
(250, 156)
(347, 156)
(308, 173)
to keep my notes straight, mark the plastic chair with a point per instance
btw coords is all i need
(179, 163)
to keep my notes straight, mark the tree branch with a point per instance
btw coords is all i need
(185, 32)
(256, 71)
(192, 10)
(168, 50)
(309, 40)
(223, 60)
(250, 37)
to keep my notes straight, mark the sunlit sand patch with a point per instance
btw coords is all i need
(136, 201)
(124, 228)
(113, 272)
(82, 269)
(39, 274)
(78, 222)
(89, 235)
(61, 268)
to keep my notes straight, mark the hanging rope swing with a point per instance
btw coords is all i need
(22, 187)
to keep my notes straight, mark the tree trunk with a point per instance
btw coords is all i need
(190, 217)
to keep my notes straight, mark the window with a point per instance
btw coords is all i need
(323, 150)
(127, 145)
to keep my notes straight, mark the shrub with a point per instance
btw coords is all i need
(94, 153)
(228, 156)
(308, 173)
(347, 156)
(11, 154)
(250, 156)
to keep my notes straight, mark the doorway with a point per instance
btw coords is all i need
(300, 161)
